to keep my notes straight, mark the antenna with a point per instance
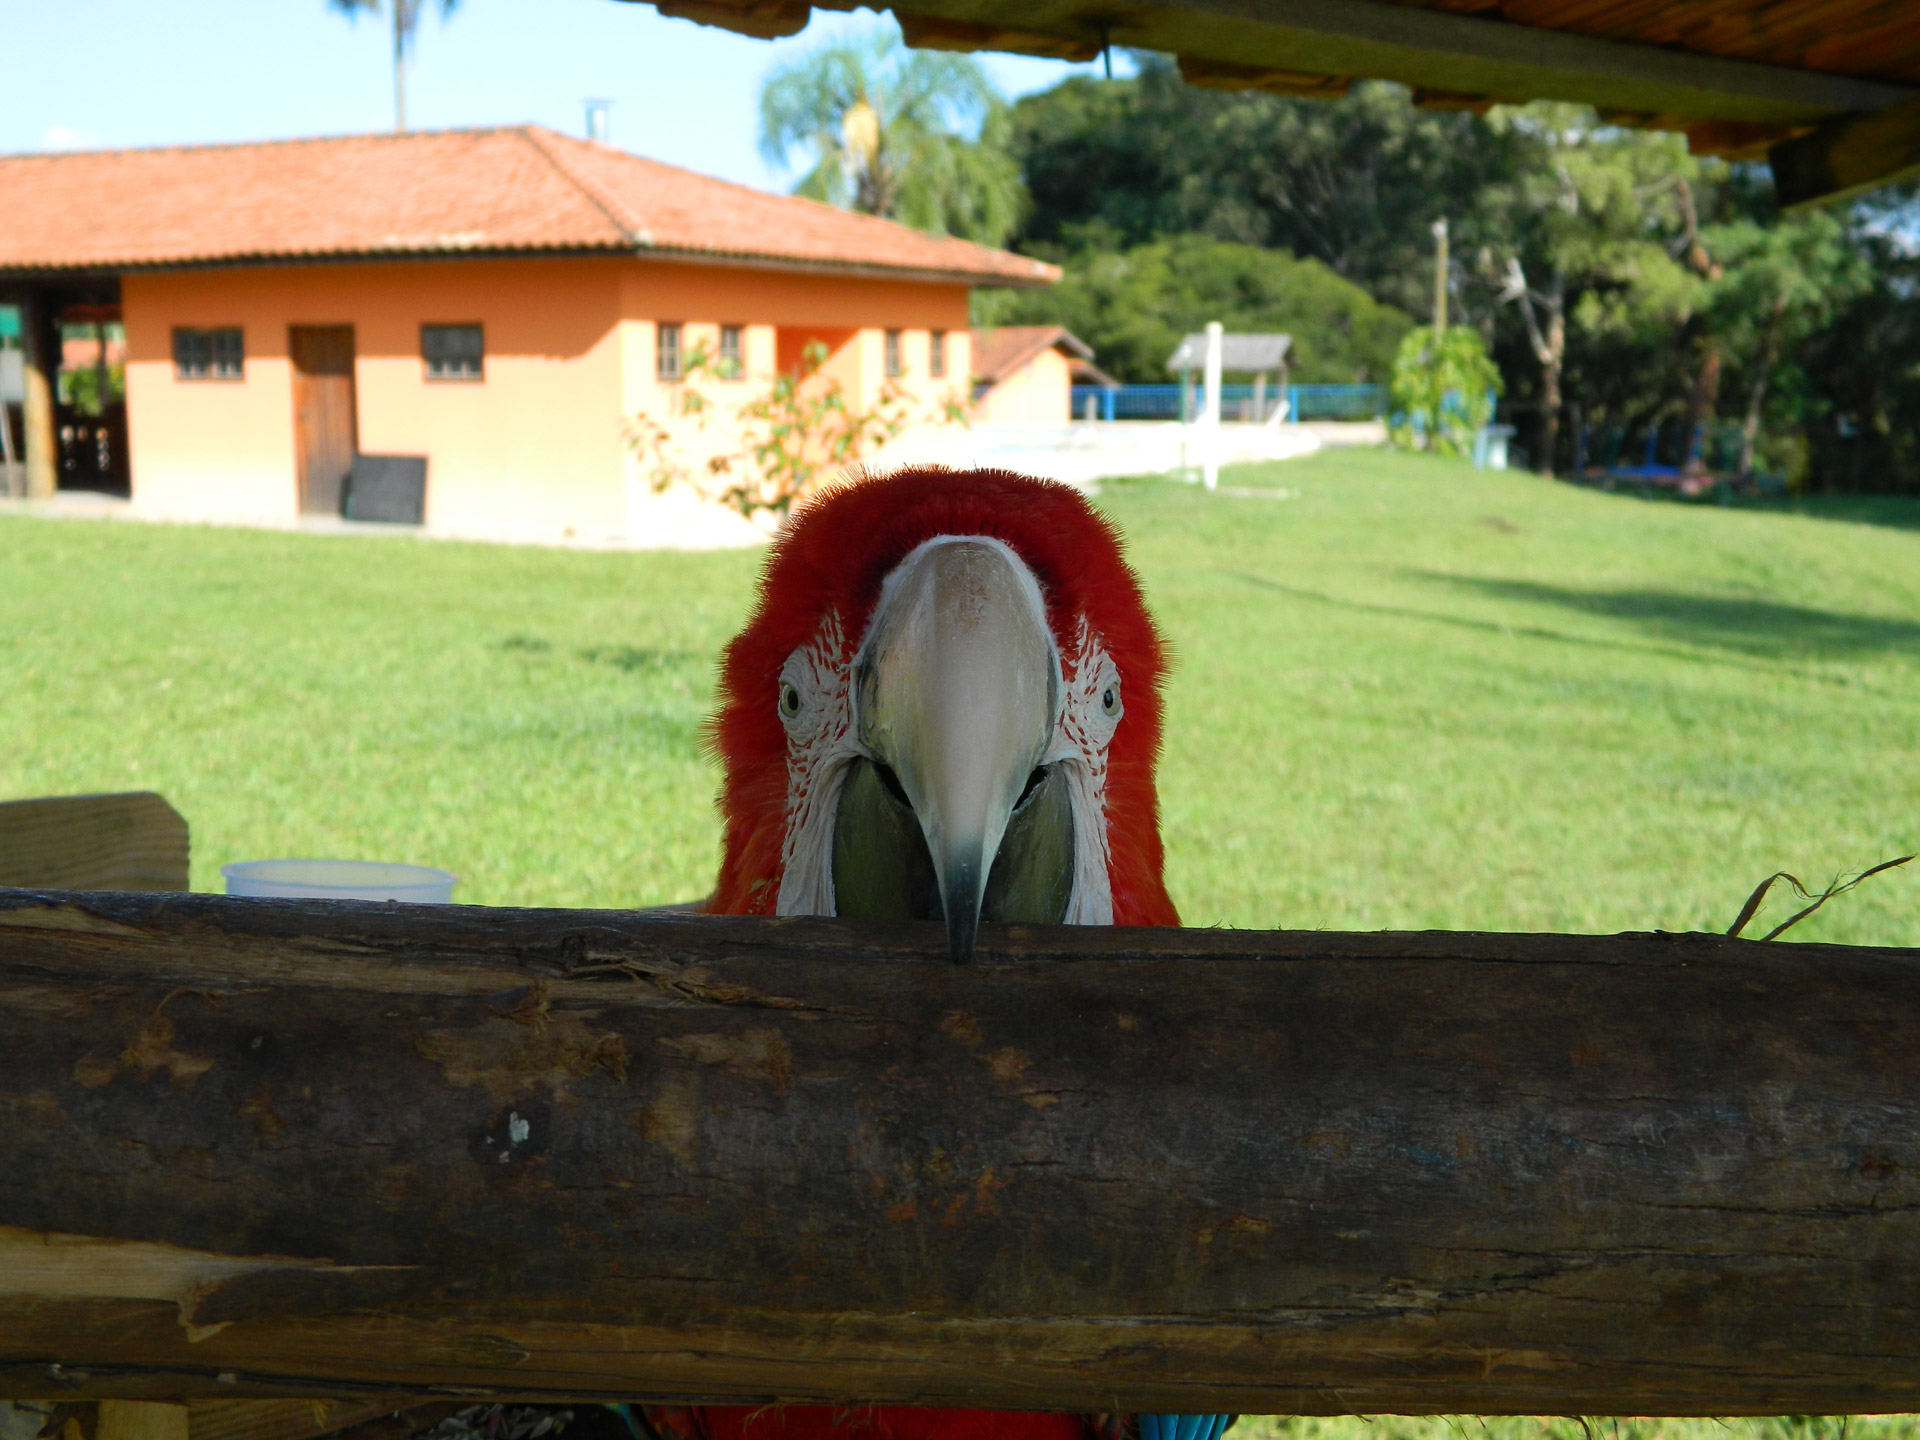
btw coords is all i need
(598, 129)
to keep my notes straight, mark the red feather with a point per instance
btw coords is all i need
(833, 557)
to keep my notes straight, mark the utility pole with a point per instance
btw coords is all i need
(402, 23)
(1439, 279)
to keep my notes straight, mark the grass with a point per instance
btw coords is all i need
(1407, 695)
(1559, 1427)
(1411, 695)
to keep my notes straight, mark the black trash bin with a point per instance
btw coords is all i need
(388, 488)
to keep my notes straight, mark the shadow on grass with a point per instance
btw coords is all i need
(1753, 627)
(1898, 512)
(1769, 662)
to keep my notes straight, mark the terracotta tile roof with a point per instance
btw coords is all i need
(523, 188)
(1000, 351)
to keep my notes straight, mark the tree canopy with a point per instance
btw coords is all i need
(1628, 292)
(913, 135)
(1133, 305)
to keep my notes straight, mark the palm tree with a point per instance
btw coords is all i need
(889, 132)
(406, 17)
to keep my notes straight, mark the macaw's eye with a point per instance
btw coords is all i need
(1110, 700)
(789, 699)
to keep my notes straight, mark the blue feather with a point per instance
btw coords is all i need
(1184, 1427)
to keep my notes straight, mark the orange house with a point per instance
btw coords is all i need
(310, 321)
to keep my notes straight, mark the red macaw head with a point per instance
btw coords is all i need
(946, 706)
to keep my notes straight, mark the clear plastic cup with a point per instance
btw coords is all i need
(339, 880)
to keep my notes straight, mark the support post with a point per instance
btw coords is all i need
(40, 366)
(1210, 411)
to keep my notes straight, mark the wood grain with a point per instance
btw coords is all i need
(1848, 157)
(273, 1148)
(132, 841)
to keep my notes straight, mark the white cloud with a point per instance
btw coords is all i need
(61, 137)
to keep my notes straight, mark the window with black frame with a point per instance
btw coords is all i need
(453, 352)
(216, 354)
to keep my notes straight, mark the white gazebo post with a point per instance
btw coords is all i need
(1210, 412)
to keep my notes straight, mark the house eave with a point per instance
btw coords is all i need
(55, 272)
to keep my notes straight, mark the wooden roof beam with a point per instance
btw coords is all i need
(1849, 156)
(1316, 47)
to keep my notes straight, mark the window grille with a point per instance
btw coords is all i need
(453, 352)
(937, 354)
(667, 363)
(209, 354)
(732, 365)
(894, 367)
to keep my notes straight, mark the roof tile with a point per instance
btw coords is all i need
(521, 188)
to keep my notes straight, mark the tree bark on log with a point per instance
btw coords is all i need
(260, 1148)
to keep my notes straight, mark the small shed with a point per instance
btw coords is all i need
(1239, 354)
(1249, 354)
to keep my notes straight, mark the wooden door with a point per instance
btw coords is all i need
(325, 426)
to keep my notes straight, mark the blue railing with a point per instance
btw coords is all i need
(1237, 402)
(1337, 402)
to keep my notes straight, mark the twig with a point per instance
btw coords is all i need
(1836, 887)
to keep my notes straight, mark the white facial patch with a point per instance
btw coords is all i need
(818, 709)
(1087, 721)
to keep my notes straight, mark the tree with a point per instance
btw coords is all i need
(1779, 284)
(406, 19)
(1589, 219)
(1133, 305)
(1353, 183)
(889, 132)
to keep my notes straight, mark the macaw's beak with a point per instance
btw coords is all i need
(958, 691)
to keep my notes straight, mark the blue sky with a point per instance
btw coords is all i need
(129, 72)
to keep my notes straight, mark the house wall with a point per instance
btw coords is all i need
(527, 448)
(1038, 393)
(780, 314)
(542, 447)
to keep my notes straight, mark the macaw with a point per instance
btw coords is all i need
(946, 706)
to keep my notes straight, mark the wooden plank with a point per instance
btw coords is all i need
(1848, 157)
(140, 1420)
(273, 1148)
(279, 1419)
(130, 841)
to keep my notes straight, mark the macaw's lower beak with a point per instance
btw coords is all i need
(958, 689)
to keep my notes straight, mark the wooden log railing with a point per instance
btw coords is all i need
(268, 1148)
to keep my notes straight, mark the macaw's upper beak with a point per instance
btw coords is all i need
(958, 691)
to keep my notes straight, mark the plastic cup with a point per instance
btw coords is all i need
(339, 880)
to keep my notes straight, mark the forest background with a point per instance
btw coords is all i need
(1630, 292)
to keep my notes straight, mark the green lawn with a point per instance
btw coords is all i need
(1407, 694)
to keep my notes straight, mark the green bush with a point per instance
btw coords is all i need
(1133, 305)
(1442, 393)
